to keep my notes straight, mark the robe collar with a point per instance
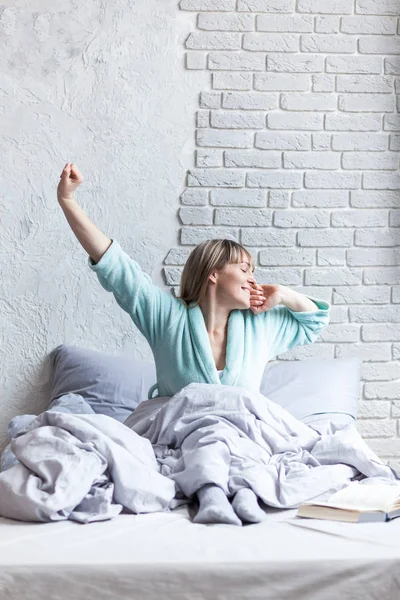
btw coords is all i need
(202, 346)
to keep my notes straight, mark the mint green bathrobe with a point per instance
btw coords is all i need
(178, 336)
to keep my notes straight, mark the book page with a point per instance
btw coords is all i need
(367, 497)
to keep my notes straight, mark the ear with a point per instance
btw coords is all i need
(213, 276)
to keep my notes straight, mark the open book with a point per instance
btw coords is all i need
(356, 503)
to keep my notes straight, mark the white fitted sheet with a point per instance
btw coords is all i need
(162, 556)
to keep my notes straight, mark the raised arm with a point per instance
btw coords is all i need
(92, 239)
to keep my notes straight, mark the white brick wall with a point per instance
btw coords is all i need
(298, 158)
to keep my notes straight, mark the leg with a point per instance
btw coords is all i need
(246, 506)
(215, 507)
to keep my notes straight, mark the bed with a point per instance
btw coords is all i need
(165, 554)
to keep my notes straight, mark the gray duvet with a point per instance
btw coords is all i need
(89, 467)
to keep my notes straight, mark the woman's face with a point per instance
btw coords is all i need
(233, 284)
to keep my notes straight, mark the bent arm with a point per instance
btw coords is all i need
(91, 238)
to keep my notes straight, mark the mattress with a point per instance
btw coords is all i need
(166, 556)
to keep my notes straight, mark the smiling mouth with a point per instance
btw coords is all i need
(246, 290)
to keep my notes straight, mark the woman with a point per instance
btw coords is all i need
(223, 328)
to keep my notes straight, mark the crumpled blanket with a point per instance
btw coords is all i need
(90, 467)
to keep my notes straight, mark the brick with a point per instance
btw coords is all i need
(322, 293)
(373, 161)
(354, 64)
(396, 293)
(305, 218)
(315, 238)
(341, 333)
(177, 256)
(196, 216)
(250, 100)
(320, 199)
(394, 218)
(308, 102)
(375, 314)
(359, 218)
(332, 180)
(203, 118)
(272, 140)
(215, 178)
(337, 122)
(282, 276)
(278, 199)
(321, 141)
(361, 295)
(373, 409)
(359, 141)
(238, 120)
(365, 199)
(265, 5)
(232, 81)
(332, 257)
(236, 61)
(274, 179)
(253, 159)
(367, 352)
(381, 181)
(286, 257)
(299, 121)
(391, 123)
(224, 139)
(310, 63)
(366, 103)
(284, 23)
(323, 83)
(395, 408)
(207, 5)
(372, 7)
(328, 6)
(228, 22)
(390, 389)
(271, 42)
(327, 24)
(328, 44)
(384, 332)
(374, 237)
(388, 448)
(376, 44)
(383, 275)
(209, 158)
(396, 351)
(244, 217)
(281, 82)
(210, 99)
(374, 428)
(392, 65)
(194, 197)
(172, 275)
(213, 41)
(364, 83)
(366, 25)
(378, 371)
(333, 276)
(394, 143)
(311, 160)
(267, 237)
(196, 235)
(241, 197)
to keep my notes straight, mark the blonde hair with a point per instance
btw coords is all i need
(202, 261)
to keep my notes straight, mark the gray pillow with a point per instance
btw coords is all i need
(111, 385)
(314, 386)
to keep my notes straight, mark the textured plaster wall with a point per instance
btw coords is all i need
(104, 85)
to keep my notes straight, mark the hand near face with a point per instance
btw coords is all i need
(264, 297)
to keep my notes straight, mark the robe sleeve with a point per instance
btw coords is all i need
(149, 307)
(285, 328)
